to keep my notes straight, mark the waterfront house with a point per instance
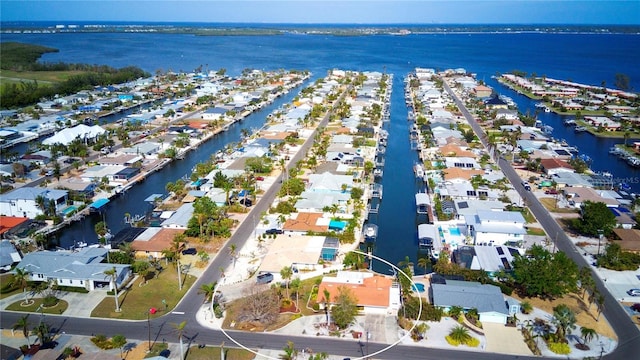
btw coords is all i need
(554, 166)
(97, 173)
(9, 255)
(486, 299)
(303, 222)
(180, 218)
(328, 183)
(482, 91)
(374, 293)
(463, 190)
(470, 207)
(571, 179)
(214, 113)
(80, 269)
(311, 201)
(11, 225)
(462, 162)
(496, 227)
(495, 103)
(76, 187)
(151, 242)
(603, 122)
(507, 114)
(487, 258)
(581, 194)
(146, 148)
(82, 131)
(24, 201)
(301, 252)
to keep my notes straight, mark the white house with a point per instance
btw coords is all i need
(66, 136)
(24, 201)
(82, 269)
(328, 182)
(496, 227)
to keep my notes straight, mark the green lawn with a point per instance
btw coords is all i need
(5, 285)
(60, 307)
(535, 231)
(213, 353)
(40, 76)
(136, 302)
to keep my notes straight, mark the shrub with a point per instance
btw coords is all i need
(559, 348)
(404, 323)
(71, 289)
(102, 342)
(49, 301)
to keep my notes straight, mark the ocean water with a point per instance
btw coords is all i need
(585, 58)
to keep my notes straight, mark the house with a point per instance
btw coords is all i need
(153, 240)
(486, 299)
(301, 252)
(12, 225)
(375, 293)
(482, 91)
(9, 255)
(629, 239)
(581, 194)
(24, 201)
(303, 222)
(77, 187)
(463, 162)
(496, 227)
(67, 135)
(40, 158)
(328, 182)
(81, 269)
(180, 218)
(495, 103)
(553, 166)
(487, 258)
(214, 113)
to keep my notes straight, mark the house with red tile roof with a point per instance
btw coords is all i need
(374, 292)
(553, 166)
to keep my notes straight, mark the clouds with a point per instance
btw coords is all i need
(317, 11)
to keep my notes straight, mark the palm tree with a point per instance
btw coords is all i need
(424, 263)
(565, 320)
(588, 334)
(460, 334)
(286, 273)
(179, 329)
(42, 332)
(119, 341)
(233, 252)
(113, 273)
(526, 307)
(290, 352)
(23, 324)
(600, 303)
(21, 278)
(207, 290)
(177, 246)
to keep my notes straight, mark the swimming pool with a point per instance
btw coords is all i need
(418, 287)
(454, 231)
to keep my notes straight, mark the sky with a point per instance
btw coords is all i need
(580, 12)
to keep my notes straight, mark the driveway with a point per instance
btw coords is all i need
(505, 340)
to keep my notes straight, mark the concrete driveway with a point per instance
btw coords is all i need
(505, 340)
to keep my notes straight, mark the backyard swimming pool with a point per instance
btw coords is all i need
(454, 231)
(418, 287)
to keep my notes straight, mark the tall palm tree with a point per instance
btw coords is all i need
(42, 331)
(290, 352)
(286, 273)
(112, 274)
(21, 279)
(23, 324)
(233, 252)
(179, 329)
(424, 263)
(177, 246)
(207, 290)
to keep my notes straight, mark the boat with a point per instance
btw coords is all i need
(580, 129)
(569, 122)
(614, 150)
(370, 232)
(417, 168)
(377, 172)
(546, 129)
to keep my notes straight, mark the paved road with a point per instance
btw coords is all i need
(628, 333)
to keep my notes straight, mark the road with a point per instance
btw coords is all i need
(162, 328)
(628, 333)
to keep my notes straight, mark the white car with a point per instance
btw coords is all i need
(633, 292)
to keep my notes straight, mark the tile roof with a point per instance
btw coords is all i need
(370, 291)
(306, 222)
(159, 240)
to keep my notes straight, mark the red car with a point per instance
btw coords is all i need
(551, 192)
(635, 307)
(259, 178)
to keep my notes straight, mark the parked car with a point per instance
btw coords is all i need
(635, 307)
(551, 192)
(264, 278)
(633, 292)
(274, 231)
(259, 178)
(246, 202)
(189, 251)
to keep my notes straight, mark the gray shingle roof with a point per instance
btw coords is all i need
(469, 295)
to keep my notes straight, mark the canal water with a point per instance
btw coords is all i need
(132, 201)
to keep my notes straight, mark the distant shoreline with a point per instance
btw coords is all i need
(223, 29)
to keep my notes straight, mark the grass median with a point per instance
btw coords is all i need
(161, 293)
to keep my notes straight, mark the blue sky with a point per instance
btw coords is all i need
(329, 11)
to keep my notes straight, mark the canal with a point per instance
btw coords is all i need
(132, 201)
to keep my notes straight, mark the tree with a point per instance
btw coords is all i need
(21, 278)
(424, 262)
(290, 352)
(345, 307)
(179, 329)
(460, 334)
(595, 217)
(42, 331)
(207, 290)
(259, 306)
(565, 321)
(623, 82)
(23, 324)
(353, 260)
(286, 273)
(233, 252)
(588, 334)
(112, 274)
(177, 246)
(119, 341)
(544, 274)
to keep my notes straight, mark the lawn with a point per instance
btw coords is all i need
(213, 353)
(137, 300)
(550, 203)
(34, 306)
(7, 288)
(535, 231)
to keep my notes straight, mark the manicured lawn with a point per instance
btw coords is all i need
(550, 204)
(40, 76)
(136, 302)
(213, 353)
(535, 231)
(5, 284)
(34, 304)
